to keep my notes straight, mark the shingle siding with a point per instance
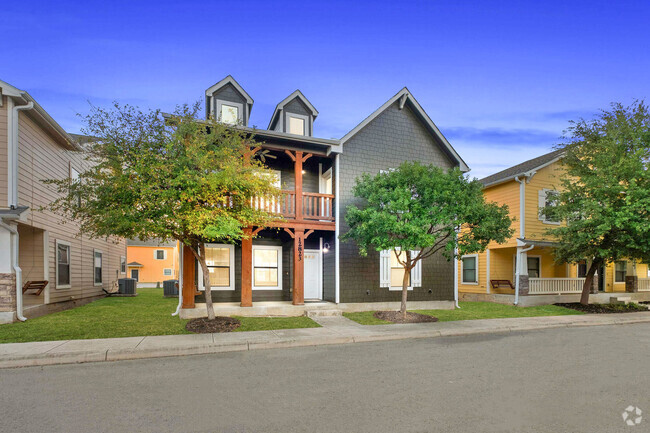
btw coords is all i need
(391, 138)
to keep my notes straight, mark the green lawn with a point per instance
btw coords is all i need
(473, 311)
(146, 314)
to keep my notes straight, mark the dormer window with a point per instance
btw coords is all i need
(296, 124)
(229, 112)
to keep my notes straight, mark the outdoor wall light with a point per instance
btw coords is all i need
(326, 247)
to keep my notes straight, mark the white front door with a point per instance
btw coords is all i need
(312, 275)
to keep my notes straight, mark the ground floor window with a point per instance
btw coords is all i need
(620, 273)
(167, 272)
(267, 267)
(534, 267)
(220, 259)
(391, 271)
(62, 265)
(469, 269)
(582, 269)
(98, 264)
(123, 265)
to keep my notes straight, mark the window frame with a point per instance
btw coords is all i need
(278, 248)
(123, 265)
(231, 259)
(616, 271)
(462, 269)
(586, 268)
(415, 277)
(155, 254)
(542, 216)
(165, 274)
(56, 258)
(305, 120)
(240, 111)
(539, 261)
(101, 272)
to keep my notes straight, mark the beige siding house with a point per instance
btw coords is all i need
(35, 245)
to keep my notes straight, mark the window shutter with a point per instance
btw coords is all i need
(384, 268)
(541, 199)
(416, 272)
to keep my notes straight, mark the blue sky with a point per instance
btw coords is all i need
(501, 79)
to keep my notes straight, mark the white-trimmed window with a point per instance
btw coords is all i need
(62, 265)
(229, 112)
(98, 267)
(267, 267)
(581, 269)
(547, 200)
(391, 272)
(469, 269)
(122, 265)
(534, 267)
(297, 124)
(167, 272)
(620, 271)
(74, 178)
(160, 254)
(220, 259)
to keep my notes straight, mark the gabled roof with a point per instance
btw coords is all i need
(229, 80)
(523, 168)
(134, 265)
(41, 116)
(296, 94)
(404, 96)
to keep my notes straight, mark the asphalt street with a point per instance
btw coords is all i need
(554, 380)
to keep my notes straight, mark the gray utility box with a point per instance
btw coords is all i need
(170, 288)
(127, 286)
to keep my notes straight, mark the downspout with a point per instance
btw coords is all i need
(522, 206)
(17, 270)
(456, 272)
(13, 154)
(180, 279)
(337, 225)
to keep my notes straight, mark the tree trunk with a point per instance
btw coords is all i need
(200, 257)
(405, 283)
(589, 280)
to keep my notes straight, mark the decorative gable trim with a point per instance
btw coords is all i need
(404, 96)
(229, 80)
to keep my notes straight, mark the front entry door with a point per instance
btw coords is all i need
(135, 274)
(312, 275)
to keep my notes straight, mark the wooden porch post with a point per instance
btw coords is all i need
(299, 267)
(298, 179)
(247, 268)
(188, 290)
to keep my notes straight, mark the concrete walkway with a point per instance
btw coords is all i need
(334, 330)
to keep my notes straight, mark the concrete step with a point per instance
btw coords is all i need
(620, 300)
(324, 313)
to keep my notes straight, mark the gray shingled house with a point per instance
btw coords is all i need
(300, 259)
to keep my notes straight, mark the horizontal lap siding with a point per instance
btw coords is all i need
(546, 178)
(391, 138)
(40, 158)
(3, 152)
(506, 193)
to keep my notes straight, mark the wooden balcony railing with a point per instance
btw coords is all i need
(539, 286)
(644, 284)
(315, 206)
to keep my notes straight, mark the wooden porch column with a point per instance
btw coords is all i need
(298, 181)
(247, 268)
(299, 267)
(188, 290)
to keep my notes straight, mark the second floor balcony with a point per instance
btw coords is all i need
(310, 206)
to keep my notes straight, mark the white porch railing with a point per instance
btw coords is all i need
(543, 286)
(644, 284)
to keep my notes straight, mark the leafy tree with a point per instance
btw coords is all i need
(421, 208)
(152, 177)
(605, 190)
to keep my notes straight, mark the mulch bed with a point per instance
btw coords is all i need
(396, 317)
(603, 308)
(219, 324)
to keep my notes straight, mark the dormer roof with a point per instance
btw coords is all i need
(278, 108)
(229, 80)
(230, 92)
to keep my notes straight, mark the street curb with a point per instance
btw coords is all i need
(363, 334)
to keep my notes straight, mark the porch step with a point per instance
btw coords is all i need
(620, 300)
(324, 313)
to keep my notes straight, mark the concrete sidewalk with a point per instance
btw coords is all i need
(334, 330)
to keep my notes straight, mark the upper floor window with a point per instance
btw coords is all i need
(160, 254)
(547, 201)
(229, 112)
(297, 124)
